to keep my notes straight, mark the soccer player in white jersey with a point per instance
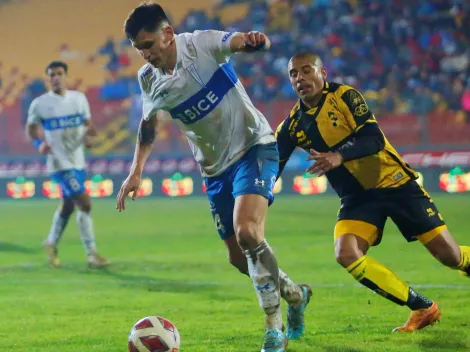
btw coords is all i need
(189, 76)
(64, 115)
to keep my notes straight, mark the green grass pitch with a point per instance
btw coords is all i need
(168, 260)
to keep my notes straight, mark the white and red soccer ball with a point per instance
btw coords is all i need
(154, 334)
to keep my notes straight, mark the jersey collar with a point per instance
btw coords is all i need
(51, 93)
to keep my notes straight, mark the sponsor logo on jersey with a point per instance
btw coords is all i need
(206, 99)
(226, 36)
(61, 122)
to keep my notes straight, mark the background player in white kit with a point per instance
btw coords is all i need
(65, 118)
(189, 76)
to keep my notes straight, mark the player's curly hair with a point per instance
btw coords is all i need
(147, 16)
(55, 64)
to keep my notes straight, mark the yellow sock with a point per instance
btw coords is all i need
(464, 264)
(379, 279)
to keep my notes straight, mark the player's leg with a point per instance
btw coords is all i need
(417, 217)
(290, 291)
(59, 222)
(353, 239)
(87, 234)
(427, 225)
(219, 192)
(253, 181)
(74, 186)
(445, 249)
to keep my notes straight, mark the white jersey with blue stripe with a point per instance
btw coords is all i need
(206, 100)
(62, 118)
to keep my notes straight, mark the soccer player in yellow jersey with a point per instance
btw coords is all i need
(334, 124)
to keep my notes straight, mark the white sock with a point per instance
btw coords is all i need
(85, 224)
(264, 272)
(290, 291)
(57, 229)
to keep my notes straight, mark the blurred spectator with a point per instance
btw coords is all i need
(33, 90)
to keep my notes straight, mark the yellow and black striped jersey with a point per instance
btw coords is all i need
(334, 125)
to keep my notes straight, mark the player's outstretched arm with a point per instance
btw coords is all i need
(146, 137)
(250, 42)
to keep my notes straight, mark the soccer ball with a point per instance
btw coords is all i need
(154, 334)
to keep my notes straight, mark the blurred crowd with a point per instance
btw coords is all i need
(405, 56)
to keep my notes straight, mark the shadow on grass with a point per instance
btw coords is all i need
(444, 341)
(127, 275)
(16, 248)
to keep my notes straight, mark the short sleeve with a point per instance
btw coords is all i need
(214, 42)
(148, 108)
(33, 114)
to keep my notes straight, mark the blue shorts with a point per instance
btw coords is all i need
(71, 182)
(254, 173)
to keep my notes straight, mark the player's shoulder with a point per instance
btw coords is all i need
(146, 76)
(340, 90)
(43, 99)
(76, 94)
(145, 72)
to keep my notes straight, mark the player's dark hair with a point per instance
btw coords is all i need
(147, 16)
(56, 64)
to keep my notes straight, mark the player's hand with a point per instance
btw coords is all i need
(255, 41)
(324, 162)
(44, 148)
(130, 185)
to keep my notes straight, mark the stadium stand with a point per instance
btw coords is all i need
(415, 77)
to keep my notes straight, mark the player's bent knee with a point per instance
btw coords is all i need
(86, 208)
(248, 234)
(83, 203)
(347, 250)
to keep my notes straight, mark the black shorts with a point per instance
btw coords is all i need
(409, 206)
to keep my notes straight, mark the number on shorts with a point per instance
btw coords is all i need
(74, 184)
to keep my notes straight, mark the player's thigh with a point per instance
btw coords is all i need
(253, 182)
(219, 193)
(67, 206)
(414, 212)
(83, 202)
(72, 182)
(362, 217)
(248, 219)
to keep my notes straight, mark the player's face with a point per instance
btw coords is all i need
(306, 77)
(154, 47)
(57, 78)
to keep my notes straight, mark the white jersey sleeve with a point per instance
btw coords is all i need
(148, 107)
(33, 113)
(214, 42)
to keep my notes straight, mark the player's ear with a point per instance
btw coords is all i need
(168, 33)
(324, 72)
